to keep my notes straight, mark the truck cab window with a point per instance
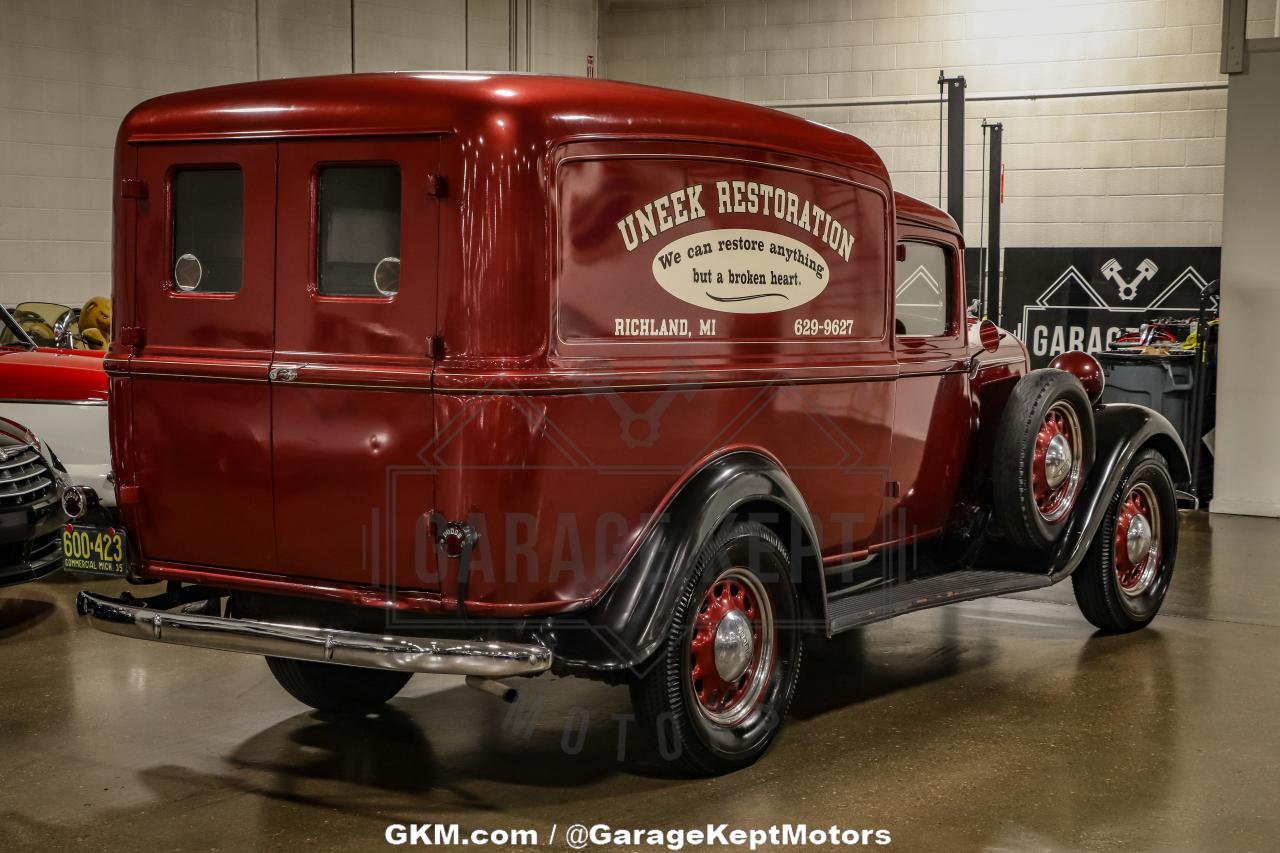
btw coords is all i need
(208, 230)
(922, 302)
(359, 241)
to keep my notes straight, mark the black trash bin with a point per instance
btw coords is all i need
(1161, 382)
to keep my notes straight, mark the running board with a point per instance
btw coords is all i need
(850, 611)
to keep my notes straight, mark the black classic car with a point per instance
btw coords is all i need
(31, 516)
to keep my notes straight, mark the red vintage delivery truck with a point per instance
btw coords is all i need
(493, 374)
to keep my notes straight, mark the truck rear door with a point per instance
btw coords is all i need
(351, 411)
(204, 299)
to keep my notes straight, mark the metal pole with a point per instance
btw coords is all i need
(1235, 15)
(1199, 388)
(257, 42)
(994, 173)
(982, 237)
(955, 149)
(1026, 95)
(941, 80)
(513, 42)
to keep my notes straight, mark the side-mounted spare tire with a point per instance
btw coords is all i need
(1044, 448)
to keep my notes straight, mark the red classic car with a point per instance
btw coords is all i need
(493, 375)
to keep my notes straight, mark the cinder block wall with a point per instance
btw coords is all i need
(71, 69)
(574, 24)
(1116, 169)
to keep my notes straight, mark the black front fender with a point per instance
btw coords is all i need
(1121, 431)
(629, 622)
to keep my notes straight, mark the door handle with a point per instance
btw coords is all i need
(282, 374)
(972, 364)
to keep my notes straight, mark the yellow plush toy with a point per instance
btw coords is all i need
(96, 316)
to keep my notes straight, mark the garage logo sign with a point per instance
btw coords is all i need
(1129, 289)
(1067, 299)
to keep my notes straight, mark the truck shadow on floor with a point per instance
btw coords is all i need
(458, 750)
(572, 733)
(852, 667)
(457, 755)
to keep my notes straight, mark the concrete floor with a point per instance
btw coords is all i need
(996, 725)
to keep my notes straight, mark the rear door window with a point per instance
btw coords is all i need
(359, 241)
(208, 230)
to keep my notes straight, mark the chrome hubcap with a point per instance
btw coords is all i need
(731, 649)
(733, 645)
(1057, 461)
(1138, 539)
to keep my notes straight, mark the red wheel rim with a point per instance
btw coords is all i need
(1056, 463)
(731, 647)
(1137, 541)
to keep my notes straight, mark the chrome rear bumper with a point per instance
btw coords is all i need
(326, 645)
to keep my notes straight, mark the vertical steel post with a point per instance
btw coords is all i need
(513, 38)
(995, 174)
(1235, 21)
(955, 148)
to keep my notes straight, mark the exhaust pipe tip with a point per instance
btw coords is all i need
(494, 687)
(78, 501)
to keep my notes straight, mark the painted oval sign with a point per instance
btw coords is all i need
(741, 271)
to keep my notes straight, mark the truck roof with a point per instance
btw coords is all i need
(527, 108)
(914, 209)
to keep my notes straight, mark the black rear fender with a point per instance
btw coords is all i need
(629, 622)
(1121, 432)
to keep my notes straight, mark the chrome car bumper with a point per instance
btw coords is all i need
(326, 645)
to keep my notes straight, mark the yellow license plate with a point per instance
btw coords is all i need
(100, 550)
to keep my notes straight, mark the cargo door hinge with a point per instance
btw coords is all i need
(133, 188)
(438, 186)
(131, 336)
(435, 346)
(892, 489)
